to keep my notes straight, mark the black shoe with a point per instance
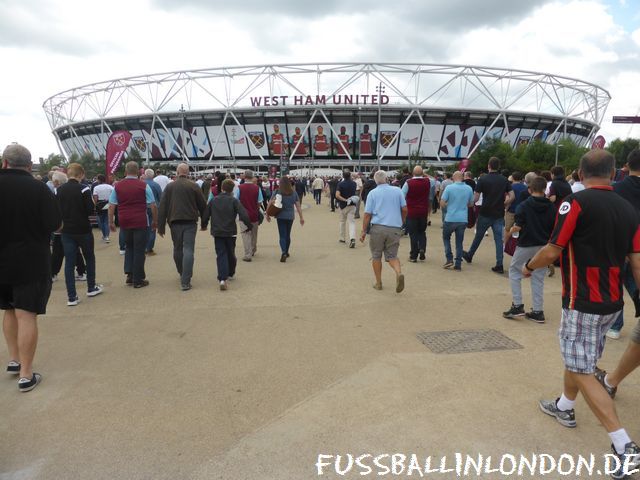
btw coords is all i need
(352, 243)
(26, 384)
(514, 311)
(185, 287)
(429, 223)
(422, 255)
(600, 374)
(246, 259)
(13, 368)
(498, 269)
(628, 461)
(535, 316)
(457, 268)
(448, 264)
(413, 260)
(342, 241)
(564, 417)
(283, 257)
(143, 283)
(467, 258)
(129, 280)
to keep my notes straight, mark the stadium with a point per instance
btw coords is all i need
(325, 115)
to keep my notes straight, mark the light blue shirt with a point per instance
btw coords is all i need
(113, 198)
(236, 193)
(385, 204)
(458, 196)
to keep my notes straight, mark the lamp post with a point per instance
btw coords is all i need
(233, 152)
(557, 147)
(380, 90)
(182, 128)
(359, 139)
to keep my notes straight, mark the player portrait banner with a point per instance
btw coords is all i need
(598, 143)
(116, 146)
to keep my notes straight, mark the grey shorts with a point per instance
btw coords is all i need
(385, 240)
(635, 334)
(582, 337)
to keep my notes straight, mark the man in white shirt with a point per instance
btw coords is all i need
(101, 193)
(162, 180)
(359, 184)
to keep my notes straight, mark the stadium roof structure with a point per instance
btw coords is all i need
(437, 112)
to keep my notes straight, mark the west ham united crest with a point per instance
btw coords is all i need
(140, 144)
(257, 138)
(386, 138)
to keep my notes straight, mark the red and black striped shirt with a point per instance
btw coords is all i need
(596, 229)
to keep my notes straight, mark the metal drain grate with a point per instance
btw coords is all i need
(466, 341)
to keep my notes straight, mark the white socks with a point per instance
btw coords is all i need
(607, 383)
(619, 438)
(564, 403)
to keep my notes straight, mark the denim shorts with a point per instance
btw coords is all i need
(582, 338)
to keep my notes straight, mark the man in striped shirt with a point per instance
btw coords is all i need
(595, 232)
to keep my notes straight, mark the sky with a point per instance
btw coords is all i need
(47, 46)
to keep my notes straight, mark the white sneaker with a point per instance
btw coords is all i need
(73, 302)
(81, 278)
(613, 334)
(97, 290)
(121, 252)
(106, 240)
(54, 278)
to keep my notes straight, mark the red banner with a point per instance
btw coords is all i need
(464, 164)
(598, 143)
(116, 146)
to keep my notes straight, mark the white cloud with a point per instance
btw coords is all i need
(53, 45)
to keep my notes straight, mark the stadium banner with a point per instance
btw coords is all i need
(342, 144)
(320, 134)
(116, 146)
(598, 143)
(410, 139)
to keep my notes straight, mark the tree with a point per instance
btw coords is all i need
(53, 160)
(620, 149)
(491, 147)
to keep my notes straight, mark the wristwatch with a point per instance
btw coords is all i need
(526, 265)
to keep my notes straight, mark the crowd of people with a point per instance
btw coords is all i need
(587, 222)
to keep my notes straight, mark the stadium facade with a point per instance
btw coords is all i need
(325, 115)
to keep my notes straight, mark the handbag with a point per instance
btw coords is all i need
(471, 217)
(510, 246)
(273, 209)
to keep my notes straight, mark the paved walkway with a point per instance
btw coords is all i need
(294, 360)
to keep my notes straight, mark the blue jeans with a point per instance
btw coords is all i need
(152, 233)
(630, 285)
(284, 231)
(71, 243)
(497, 227)
(103, 223)
(122, 240)
(225, 257)
(450, 228)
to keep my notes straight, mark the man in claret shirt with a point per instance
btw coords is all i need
(594, 233)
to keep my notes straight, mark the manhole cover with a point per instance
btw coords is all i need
(465, 341)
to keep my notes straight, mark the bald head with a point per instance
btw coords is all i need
(182, 170)
(417, 171)
(16, 156)
(457, 176)
(597, 164)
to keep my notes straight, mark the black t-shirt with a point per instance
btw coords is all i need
(560, 188)
(629, 189)
(471, 183)
(367, 187)
(596, 230)
(347, 188)
(493, 188)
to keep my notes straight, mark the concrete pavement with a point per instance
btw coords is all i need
(294, 360)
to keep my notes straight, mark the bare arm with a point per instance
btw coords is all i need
(476, 197)
(299, 212)
(404, 214)
(112, 223)
(154, 216)
(510, 198)
(366, 219)
(545, 256)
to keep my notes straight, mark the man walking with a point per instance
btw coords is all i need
(416, 191)
(317, 186)
(222, 211)
(133, 197)
(181, 206)
(344, 193)
(359, 184)
(76, 204)
(594, 233)
(493, 188)
(333, 187)
(456, 199)
(250, 196)
(28, 216)
(157, 195)
(533, 223)
(384, 215)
